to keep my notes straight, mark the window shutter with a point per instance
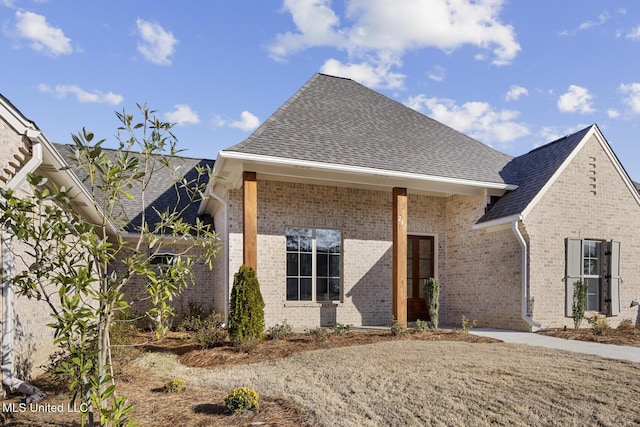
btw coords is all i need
(573, 271)
(614, 280)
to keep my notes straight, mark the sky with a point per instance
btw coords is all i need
(512, 74)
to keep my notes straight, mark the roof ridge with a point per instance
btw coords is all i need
(137, 152)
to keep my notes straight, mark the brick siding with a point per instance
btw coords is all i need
(589, 200)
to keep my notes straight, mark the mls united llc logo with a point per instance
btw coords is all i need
(44, 407)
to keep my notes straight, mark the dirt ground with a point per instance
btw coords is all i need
(433, 378)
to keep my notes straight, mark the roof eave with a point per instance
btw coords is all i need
(346, 174)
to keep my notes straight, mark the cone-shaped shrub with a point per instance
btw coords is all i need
(246, 311)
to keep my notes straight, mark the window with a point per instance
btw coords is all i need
(597, 264)
(314, 264)
(591, 267)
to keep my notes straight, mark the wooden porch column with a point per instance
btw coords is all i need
(400, 255)
(250, 220)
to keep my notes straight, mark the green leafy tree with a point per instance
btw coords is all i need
(432, 295)
(80, 267)
(246, 310)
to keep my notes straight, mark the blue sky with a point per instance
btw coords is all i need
(513, 74)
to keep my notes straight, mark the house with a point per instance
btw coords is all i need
(27, 342)
(345, 201)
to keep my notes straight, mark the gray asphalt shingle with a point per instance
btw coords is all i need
(161, 193)
(530, 172)
(336, 120)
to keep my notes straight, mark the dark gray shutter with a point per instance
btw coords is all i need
(614, 278)
(573, 271)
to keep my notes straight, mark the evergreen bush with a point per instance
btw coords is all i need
(432, 295)
(579, 302)
(242, 400)
(246, 311)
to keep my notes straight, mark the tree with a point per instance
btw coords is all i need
(81, 268)
(246, 310)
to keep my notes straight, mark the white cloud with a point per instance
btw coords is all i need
(43, 37)
(602, 18)
(247, 122)
(316, 23)
(551, 133)
(157, 45)
(632, 95)
(94, 97)
(374, 76)
(182, 115)
(385, 30)
(577, 99)
(634, 34)
(515, 92)
(437, 73)
(613, 113)
(477, 119)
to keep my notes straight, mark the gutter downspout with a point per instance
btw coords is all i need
(225, 246)
(525, 275)
(33, 393)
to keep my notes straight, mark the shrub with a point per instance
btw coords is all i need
(626, 325)
(467, 325)
(279, 331)
(210, 331)
(422, 326)
(246, 310)
(241, 400)
(579, 302)
(397, 329)
(432, 295)
(245, 344)
(193, 319)
(319, 333)
(176, 385)
(339, 328)
(599, 325)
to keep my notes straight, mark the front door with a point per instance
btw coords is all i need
(419, 268)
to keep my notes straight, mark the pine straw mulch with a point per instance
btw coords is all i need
(198, 406)
(270, 350)
(620, 336)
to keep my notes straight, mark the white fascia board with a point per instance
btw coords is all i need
(618, 166)
(361, 170)
(558, 172)
(593, 132)
(15, 119)
(72, 180)
(497, 222)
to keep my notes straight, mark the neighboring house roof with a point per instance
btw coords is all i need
(339, 121)
(530, 172)
(161, 194)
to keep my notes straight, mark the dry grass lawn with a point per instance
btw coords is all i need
(438, 378)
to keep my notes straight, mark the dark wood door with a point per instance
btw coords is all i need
(420, 258)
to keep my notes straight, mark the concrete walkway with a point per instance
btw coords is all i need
(620, 352)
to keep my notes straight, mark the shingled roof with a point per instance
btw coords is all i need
(339, 121)
(160, 194)
(530, 172)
